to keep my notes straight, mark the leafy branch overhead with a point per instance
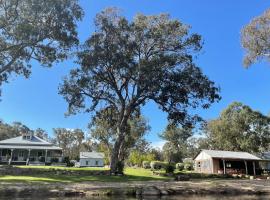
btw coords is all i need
(44, 31)
(255, 39)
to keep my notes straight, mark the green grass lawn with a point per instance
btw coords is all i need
(131, 174)
(65, 168)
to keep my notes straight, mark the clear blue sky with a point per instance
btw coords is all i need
(36, 103)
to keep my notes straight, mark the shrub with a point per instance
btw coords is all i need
(146, 164)
(54, 160)
(188, 166)
(67, 161)
(158, 165)
(180, 166)
(169, 168)
(41, 159)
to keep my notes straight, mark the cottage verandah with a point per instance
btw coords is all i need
(29, 149)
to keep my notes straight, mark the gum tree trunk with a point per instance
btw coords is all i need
(119, 143)
(115, 156)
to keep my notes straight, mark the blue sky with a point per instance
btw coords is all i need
(36, 103)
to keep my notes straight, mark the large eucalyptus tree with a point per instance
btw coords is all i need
(40, 30)
(125, 64)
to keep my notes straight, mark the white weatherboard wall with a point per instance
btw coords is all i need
(91, 162)
(203, 156)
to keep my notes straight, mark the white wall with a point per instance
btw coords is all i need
(203, 156)
(91, 162)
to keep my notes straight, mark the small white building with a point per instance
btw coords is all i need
(91, 159)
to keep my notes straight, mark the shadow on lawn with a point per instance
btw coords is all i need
(71, 178)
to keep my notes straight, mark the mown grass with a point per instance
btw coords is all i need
(65, 168)
(131, 174)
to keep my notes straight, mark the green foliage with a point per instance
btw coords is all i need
(137, 158)
(146, 164)
(67, 161)
(44, 31)
(169, 168)
(188, 166)
(71, 141)
(157, 165)
(239, 128)
(255, 39)
(177, 145)
(180, 166)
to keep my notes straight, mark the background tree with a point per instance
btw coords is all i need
(38, 30)
(175, 148)
(41, 133)
(126, 64)
(255, 39)
(70, 140)
(239, 128)
(7, 131)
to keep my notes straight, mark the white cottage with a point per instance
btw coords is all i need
(29, 149)
(91, 159)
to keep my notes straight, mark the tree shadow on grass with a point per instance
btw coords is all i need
(74, 178)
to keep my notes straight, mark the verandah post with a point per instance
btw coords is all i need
(246, 167)
(46, 151)
(224, 167)
(254, 170)
(11, 155)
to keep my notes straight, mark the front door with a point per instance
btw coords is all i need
(21, 155)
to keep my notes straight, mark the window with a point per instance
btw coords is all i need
(199, 164)
(86, 162)
(96, 162)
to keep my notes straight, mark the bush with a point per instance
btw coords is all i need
(67, 161)
(188, 166)
(180, 166)
(41, 159)
(158, 165)
(146, 164)
(169, 168)
(54, 160)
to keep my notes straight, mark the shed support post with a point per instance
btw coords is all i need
(254, 169)
(224, 167)
(246, 167)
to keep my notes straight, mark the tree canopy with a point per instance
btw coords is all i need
(255, 39)
(72, 141)
(125, 64)
(239, 128)
(35, 30)
(175, 148)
